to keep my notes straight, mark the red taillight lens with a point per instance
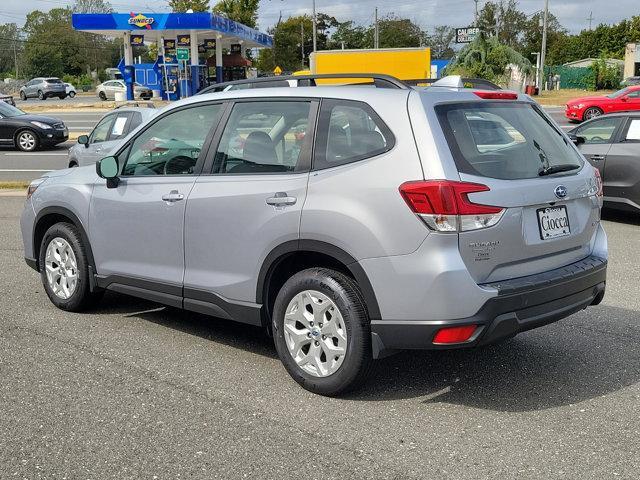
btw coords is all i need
(496, 95)
(445, 206)
(599, 182)
(445, 197)
(454, 334)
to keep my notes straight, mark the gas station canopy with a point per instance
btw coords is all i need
(158, 25)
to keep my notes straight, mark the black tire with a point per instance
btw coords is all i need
(103, 96)
(41, 95)
(23, 96)
(72, 94)
(346, 295)
(591, 112)
(33, 146)
(62, 97)
(73, 165)
(82, 298)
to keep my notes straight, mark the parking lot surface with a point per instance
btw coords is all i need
(136, 390)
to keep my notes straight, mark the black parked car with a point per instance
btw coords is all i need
(28, 132)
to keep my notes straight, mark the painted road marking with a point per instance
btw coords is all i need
(23, 170)
(24, 154)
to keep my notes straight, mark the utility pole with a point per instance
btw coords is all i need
(315, 27)
(476, 17)
(302, 42)
(376, 32)
(590, 19)
(543, 52)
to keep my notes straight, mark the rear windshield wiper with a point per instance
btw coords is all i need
(567, 167)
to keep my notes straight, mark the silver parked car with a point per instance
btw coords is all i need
(108, 90)
(612, 144)
(43, 88)
(107, 135)
(348, 227)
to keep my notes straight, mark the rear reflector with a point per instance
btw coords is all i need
(496, 95)
(445, 206)
(599, 183)
(454, 334)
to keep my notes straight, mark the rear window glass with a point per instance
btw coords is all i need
(504, 140)
(53, 80)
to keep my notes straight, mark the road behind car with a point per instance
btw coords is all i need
(135, 390)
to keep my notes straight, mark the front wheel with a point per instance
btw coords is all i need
(23, 96)
(322, 331)
(27, 141)
(72, 94)
(41, 95)
(64, 268)
(592, 112)
(103, 96)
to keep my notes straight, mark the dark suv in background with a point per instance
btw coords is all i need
(44, 88)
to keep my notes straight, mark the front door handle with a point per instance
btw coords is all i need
(281, 199)
(172, 196)
(597, 158)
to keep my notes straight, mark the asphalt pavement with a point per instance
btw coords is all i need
(134, 390)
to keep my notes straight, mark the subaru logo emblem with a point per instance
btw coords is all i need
(560, 191)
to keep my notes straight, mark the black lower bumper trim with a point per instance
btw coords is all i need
(521, 304)
(32, 262)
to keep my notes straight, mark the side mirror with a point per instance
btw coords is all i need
(84, 140)
(624, 99)
(108, 168)
(576, 139)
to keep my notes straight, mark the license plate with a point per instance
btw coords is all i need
(553, 222)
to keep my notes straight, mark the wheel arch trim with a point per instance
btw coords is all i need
(284, 250)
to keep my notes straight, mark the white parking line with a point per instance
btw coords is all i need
(22, 170)
(24, 154)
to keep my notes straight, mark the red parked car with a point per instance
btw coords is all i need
(586, 108)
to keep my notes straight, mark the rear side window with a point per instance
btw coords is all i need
(505, 140)
(349, 131)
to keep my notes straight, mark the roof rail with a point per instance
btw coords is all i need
(379, 80)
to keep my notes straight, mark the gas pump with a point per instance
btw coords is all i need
(129, 79)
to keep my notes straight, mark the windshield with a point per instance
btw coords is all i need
(7, 110)
(619, 93)
(505, 140)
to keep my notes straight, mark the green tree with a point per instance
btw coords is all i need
(243, 11)
(486, 57)
(532, 37)
(10, 49)
(503, 20)
(440, 42)
(396, 32)
(92, 6)
(184, 5)
(349, 35)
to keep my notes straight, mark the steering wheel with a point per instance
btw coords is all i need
(597, 139)
(179, 164)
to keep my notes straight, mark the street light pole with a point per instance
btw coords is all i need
(315, 27)
(543, 52)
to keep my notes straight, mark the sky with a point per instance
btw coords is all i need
(572, 14)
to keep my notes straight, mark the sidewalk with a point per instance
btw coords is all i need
(11, 192)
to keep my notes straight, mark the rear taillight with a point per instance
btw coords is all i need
(445, 206)
(599, 183)
(449, 335)
(496, 95)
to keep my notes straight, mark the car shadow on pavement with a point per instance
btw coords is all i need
(565, 363)
(621, 216)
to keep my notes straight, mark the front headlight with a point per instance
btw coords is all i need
(44, 126)
(33, 186)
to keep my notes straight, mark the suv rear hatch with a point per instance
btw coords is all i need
(541, 198)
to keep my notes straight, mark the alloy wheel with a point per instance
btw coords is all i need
(61, 268)
(27, 141)
(315, 333)
(592, 113)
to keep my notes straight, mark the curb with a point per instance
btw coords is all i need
(13, 193)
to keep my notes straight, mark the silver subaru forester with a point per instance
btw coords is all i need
(349, 221)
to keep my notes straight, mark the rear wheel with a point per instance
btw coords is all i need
(592, 112)
(23, 96)
(103, 96)
(41, 95)
(64, 268)
(27, 141)
(322, 331)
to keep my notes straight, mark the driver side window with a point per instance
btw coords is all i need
(599, 131)
(172, 145)
(101, 132)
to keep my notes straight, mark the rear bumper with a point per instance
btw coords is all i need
(521, 304)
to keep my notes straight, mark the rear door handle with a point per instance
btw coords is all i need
(597, 158)
(172, 196)
(281, 199)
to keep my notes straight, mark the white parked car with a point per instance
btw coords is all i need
(70, 89)
(108, 89)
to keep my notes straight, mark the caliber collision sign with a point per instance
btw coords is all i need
(466, 35)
